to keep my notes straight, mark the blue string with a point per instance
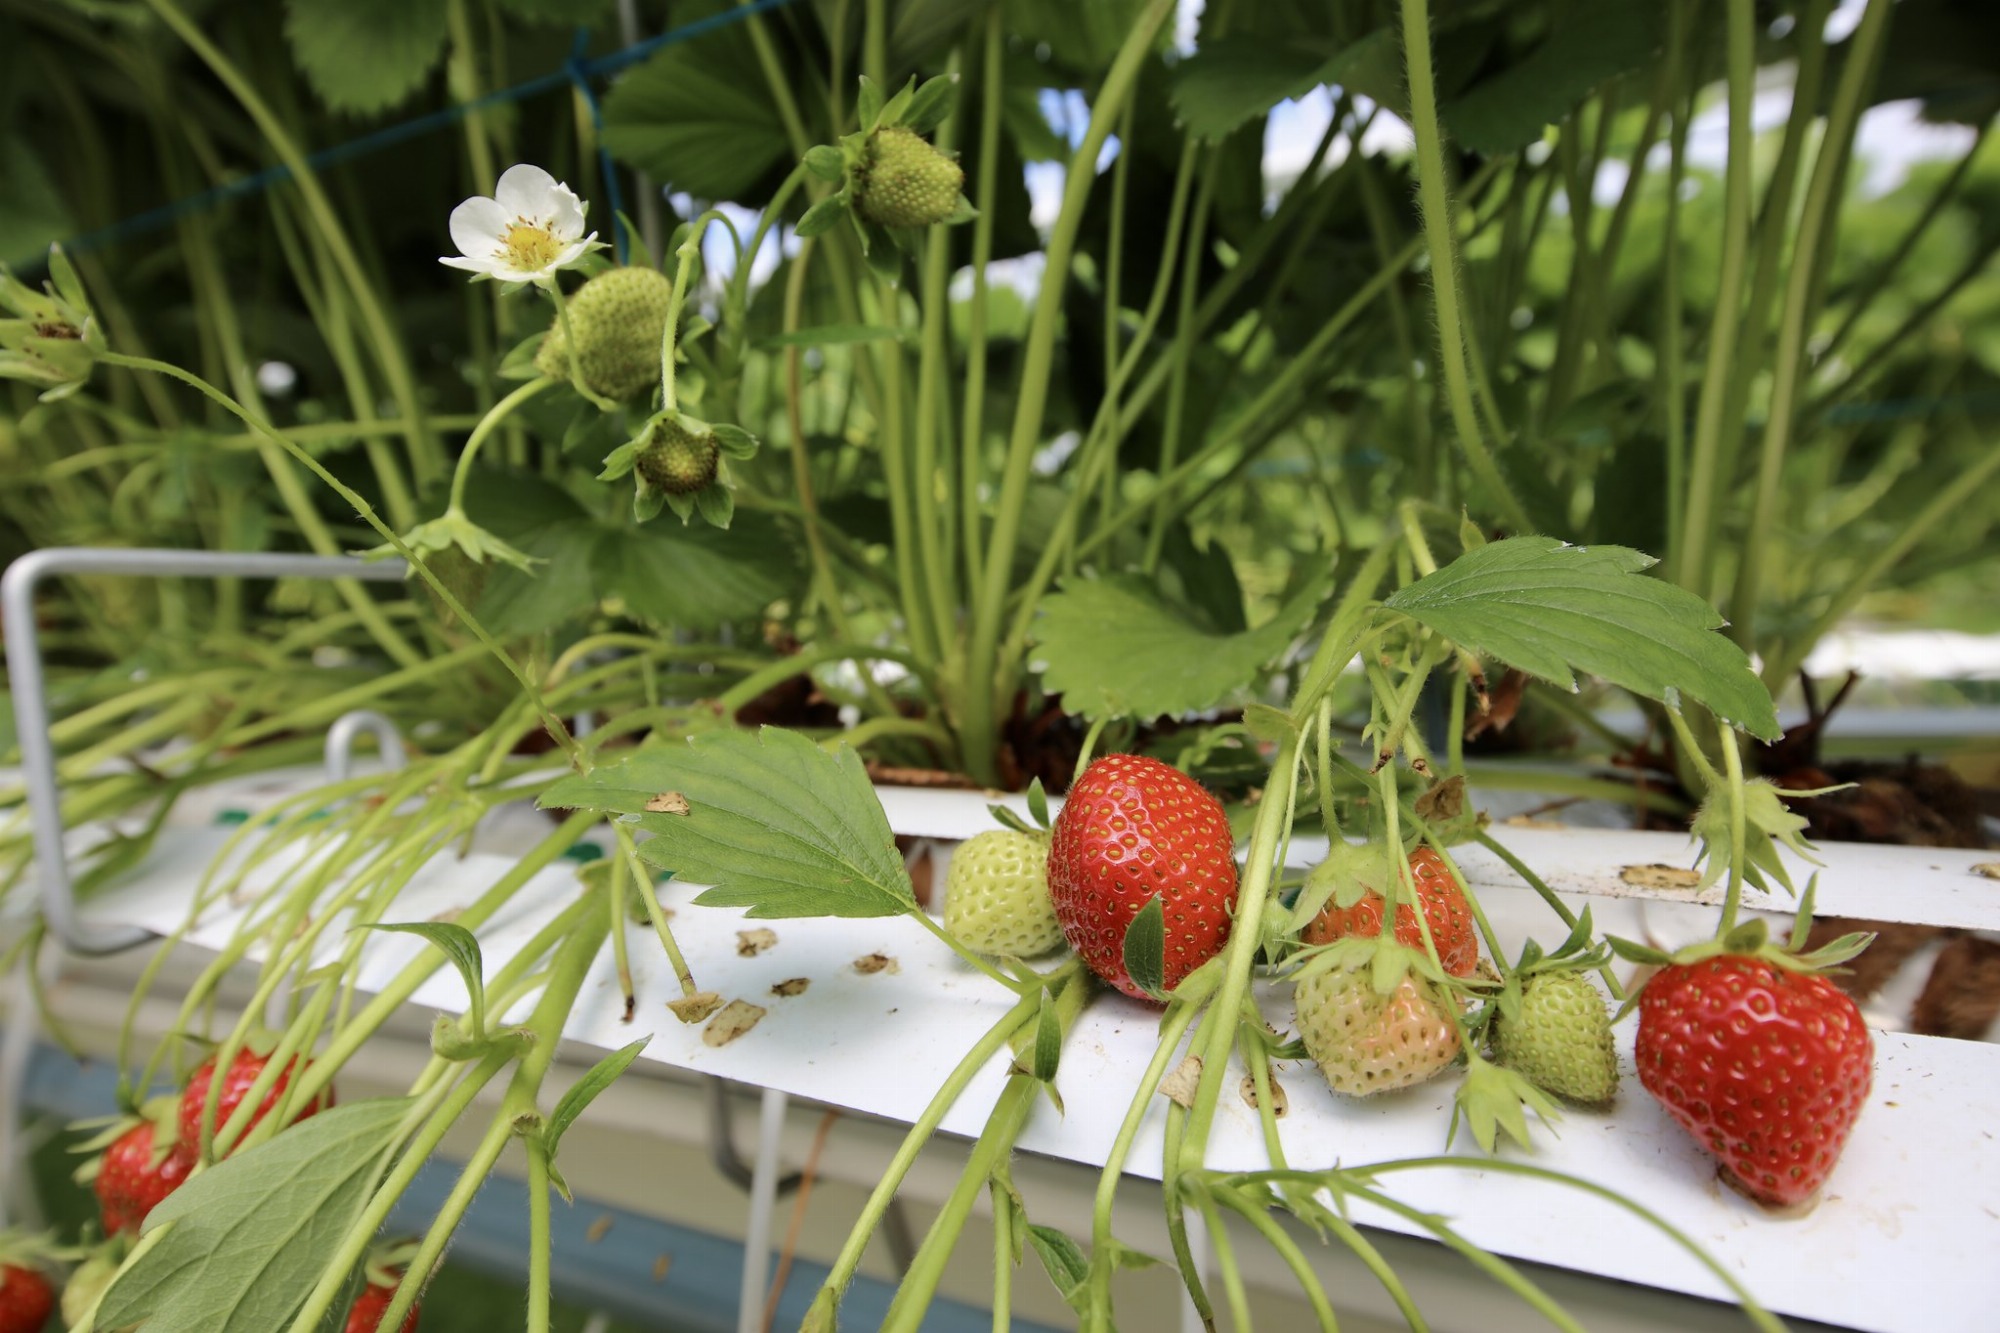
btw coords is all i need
(576, 67)
(576, 71)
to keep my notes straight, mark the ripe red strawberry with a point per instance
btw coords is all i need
(26, 1298)
(243, 1071)
(1767, 1067)
(373, 1303)
(1445, 911)
(1365, 1042)
(1135, 829)
(25, 1291)
(135, 1174)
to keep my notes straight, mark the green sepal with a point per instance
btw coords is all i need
(1007, 819)
(1495, 1099)
(821, 216)
(929, 105)
(893, 110)
(1145, 949)
(734, 441)
(868, 104)
(1038, 803)
(716, 504)
(826, 162)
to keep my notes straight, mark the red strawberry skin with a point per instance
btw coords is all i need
(1767, 1068)
(130, 1183)
(1445, 911)
(243, 1071)
(371, 1305)
(26, 1299)
(1134, 829)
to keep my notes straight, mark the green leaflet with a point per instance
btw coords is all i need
(1112, 647)
(1591, 45)
(251, 1233)
(778, 825)
(1233, 79)
(365, 55)
(1551, 610)
(581, 1094)
(697, 116)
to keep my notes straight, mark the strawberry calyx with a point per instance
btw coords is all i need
(927, 190)
(1752, 939)
(162, 1112)
(1038, 812)
(1579, 952)
(1494, 1098)
(35, 1250)
(387, 1261)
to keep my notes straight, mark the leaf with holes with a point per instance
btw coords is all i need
(775, 823)
(1551, 610)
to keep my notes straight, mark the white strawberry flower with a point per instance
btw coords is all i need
(531, 228)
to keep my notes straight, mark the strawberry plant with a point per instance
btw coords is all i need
(1156, 524)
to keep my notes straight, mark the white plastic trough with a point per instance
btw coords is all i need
(1913, 1208)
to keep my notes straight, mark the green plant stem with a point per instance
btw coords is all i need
(797, 664)
(426, 455)
(1690, 562)
(539, 1239)
(921, 1132)
(1732, 761)
(1288, 1250)
(1963, 489)
(397, 993)
(553, 286)
(498, 413)
(990, 1152)
(650, 899)
(972, 431)
(1863, 300)
(685, 256)
(436, 1113)
(1003, 1256)
(931, 492)
(1444, 264)
(1172, 1028)
(554, 724)
(1817, 223)
(985, 674)
(566, 977)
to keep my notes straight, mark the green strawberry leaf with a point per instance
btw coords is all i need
(251, 1233)
(697, 117)
(1112, 647)
(1146, 949)
(1596, 43)
(1234, 79)
(580, 1095)
(778, 825)
(365, 55)
(459, 945)
(1551, 609)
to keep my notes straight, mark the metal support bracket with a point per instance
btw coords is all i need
(31, 707)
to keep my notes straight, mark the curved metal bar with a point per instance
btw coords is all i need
(722, 1143)
(340, 742)
(31, 707)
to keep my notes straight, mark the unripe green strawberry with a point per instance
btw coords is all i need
(677, 460)
(618, 318)
(997, 895)
(905, 182)
(1366, 1043)
(1561, 1040)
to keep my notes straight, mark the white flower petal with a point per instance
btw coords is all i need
(566, 217)
(469, 264)
(477, 225)
(526, 191)
(572, 253)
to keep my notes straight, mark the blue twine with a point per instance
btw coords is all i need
(576, 71)
(576, 67)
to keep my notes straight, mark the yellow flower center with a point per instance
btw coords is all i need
(527, 246)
